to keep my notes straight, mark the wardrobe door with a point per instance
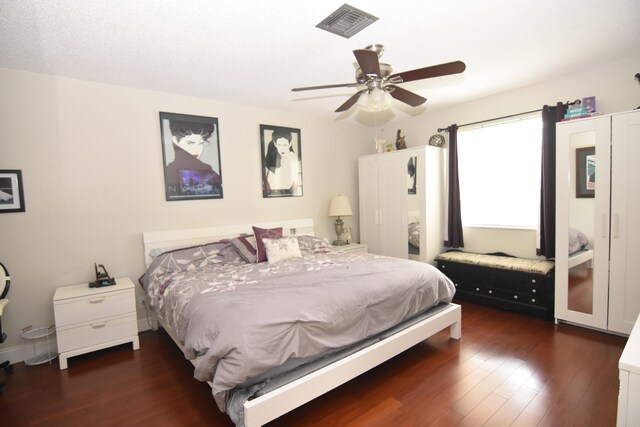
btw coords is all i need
(624, 293)
(393, 204)
(582, 204)
(432, 199)
(369, 200)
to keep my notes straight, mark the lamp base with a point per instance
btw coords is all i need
(339, 227)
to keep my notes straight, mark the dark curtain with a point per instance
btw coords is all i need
(547, 229)
(453, 237)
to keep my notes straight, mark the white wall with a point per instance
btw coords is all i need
(91, 160)
(92, 165)
(615, 89)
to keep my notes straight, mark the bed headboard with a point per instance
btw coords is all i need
(194, 236)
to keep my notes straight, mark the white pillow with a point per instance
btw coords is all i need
(280, 249)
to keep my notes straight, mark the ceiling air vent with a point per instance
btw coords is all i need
(347, 21)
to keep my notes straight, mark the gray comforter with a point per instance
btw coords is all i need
(238, 320)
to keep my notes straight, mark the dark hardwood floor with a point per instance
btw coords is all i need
(581, 289)
(507, 370)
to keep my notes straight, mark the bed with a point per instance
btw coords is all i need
(579, 253)
(229, 315)
(414, 235)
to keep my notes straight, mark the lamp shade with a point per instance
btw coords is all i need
(340, 206)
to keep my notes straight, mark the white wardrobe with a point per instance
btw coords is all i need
(599, 286)
(392, 199)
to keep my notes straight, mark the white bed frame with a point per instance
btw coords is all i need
(580, 258)
(270, 406)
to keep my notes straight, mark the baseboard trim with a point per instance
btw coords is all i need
(19, 353)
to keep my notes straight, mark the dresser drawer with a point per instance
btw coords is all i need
(91, 307)
(96, 332)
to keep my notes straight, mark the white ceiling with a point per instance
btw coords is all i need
(254, 52)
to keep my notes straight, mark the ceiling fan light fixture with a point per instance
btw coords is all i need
(374, 100)
(378, 85)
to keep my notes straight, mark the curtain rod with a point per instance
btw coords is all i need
(577, 101)
(491, 120)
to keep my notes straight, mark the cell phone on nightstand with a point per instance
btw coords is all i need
(102, 277)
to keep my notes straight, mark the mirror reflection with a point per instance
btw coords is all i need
(581, 221)
(413, 210)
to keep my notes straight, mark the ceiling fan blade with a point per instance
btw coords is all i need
(405, 96)
(298, 89)
(428, 72)
(350, 101)
(368, 61)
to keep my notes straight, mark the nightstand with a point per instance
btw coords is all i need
(90, 319)
(354, 248)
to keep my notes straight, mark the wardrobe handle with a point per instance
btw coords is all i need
(604, 225)
(376, 217)
(614, 225)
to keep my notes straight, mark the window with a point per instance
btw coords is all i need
(499, 172)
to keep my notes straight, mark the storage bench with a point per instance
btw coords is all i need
(501, 280)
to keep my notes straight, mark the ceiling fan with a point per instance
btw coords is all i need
(378, 79)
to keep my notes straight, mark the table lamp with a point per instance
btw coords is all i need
(339, 207)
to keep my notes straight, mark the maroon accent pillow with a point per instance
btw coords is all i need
(260, 233)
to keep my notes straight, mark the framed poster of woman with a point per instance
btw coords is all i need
(281, 153)
(191, 154)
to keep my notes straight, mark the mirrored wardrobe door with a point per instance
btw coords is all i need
(582, 221)
(413, 207)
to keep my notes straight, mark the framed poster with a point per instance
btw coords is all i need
(281, 153)
(585, 172)
(191, 155)
(11, 191)
(412, 168)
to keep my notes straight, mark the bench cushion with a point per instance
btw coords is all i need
(542, 267)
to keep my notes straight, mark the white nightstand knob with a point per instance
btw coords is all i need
(99, 325)
(96, 300)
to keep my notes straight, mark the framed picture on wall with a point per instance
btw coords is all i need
(585, 172)
(412, 165)
(281, 153)
(191, 156)
(11, 191)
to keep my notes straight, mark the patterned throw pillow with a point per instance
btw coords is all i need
(314, 244)
(246, 247)
(260, 233)
(280, 249)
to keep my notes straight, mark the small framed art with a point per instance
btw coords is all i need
(281, 153)
(585, 172)
(11, 191)
(191, 155)
(412, 169)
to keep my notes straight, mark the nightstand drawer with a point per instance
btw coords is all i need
(96, 332)
(90, 307)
